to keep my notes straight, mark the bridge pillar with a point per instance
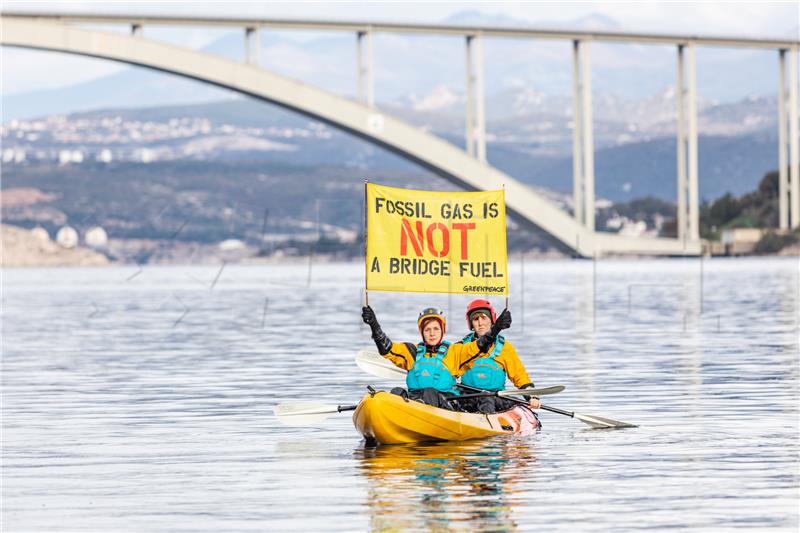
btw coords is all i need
(680, 94)
(794, 142)
(577, 122)
(469, 126)
(688, 213)
(476, 119)
(783, 183)
(692, 185)
(252, 46)
(588, 138)
(583, 135)
(366, 80)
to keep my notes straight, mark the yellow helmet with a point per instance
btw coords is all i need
(431, 312)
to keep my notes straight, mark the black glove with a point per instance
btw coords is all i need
(382, 341)
(369, 318)
(485, 342)
(527, 386)
(502, 322)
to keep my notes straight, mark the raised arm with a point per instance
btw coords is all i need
(382, 341)
(461, 354)
(397, 353)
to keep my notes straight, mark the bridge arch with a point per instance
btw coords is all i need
(367, 123)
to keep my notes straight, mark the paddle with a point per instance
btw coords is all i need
(375, 364)
(307, 413)
(555, 389)
(597, 422)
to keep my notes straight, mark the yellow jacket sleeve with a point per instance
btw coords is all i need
(400, 356)
(459, 354)
(515, 370)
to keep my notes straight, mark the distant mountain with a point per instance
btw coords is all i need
(474, 17)
(726, 164)
(635, 141)
(134, 88)
(408, 65)
(270, 199)
(592, 21)
(244, 170)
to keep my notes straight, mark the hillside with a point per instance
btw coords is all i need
(293, 210)
(275, 180)
(635, 157)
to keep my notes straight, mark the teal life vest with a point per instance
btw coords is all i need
(485, 373)
(430, 371)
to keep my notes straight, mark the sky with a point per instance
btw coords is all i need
(765, 18)
(34, 70)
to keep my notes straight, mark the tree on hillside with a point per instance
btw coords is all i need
(757, 209)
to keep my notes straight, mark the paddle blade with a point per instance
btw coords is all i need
(374, 363)
(599, 422)
(555, 389)
(303, 413)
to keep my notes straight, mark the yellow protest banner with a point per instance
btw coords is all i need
(424, 241)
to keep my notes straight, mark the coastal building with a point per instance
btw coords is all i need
(96, 238)
(67, 237)
(739, 241)
(40, 234)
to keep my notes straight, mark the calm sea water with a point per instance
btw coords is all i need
(142, 401)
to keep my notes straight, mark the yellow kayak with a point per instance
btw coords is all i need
(386, 418)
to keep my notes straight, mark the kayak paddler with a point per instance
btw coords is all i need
(489, 369)
(431, 363)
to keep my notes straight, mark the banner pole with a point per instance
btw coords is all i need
(506, 230)
(366, 292)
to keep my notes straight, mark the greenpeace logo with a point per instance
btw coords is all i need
(480, 288)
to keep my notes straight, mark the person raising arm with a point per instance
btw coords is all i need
(429, 378)
(489, 369)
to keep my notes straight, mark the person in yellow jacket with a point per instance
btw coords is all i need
(489, 369)
(432, 363)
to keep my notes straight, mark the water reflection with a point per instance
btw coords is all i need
(129, 421)
(444, 486)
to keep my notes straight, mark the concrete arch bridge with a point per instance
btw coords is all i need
(467, 169)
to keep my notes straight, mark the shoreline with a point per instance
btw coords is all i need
(23, 248)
